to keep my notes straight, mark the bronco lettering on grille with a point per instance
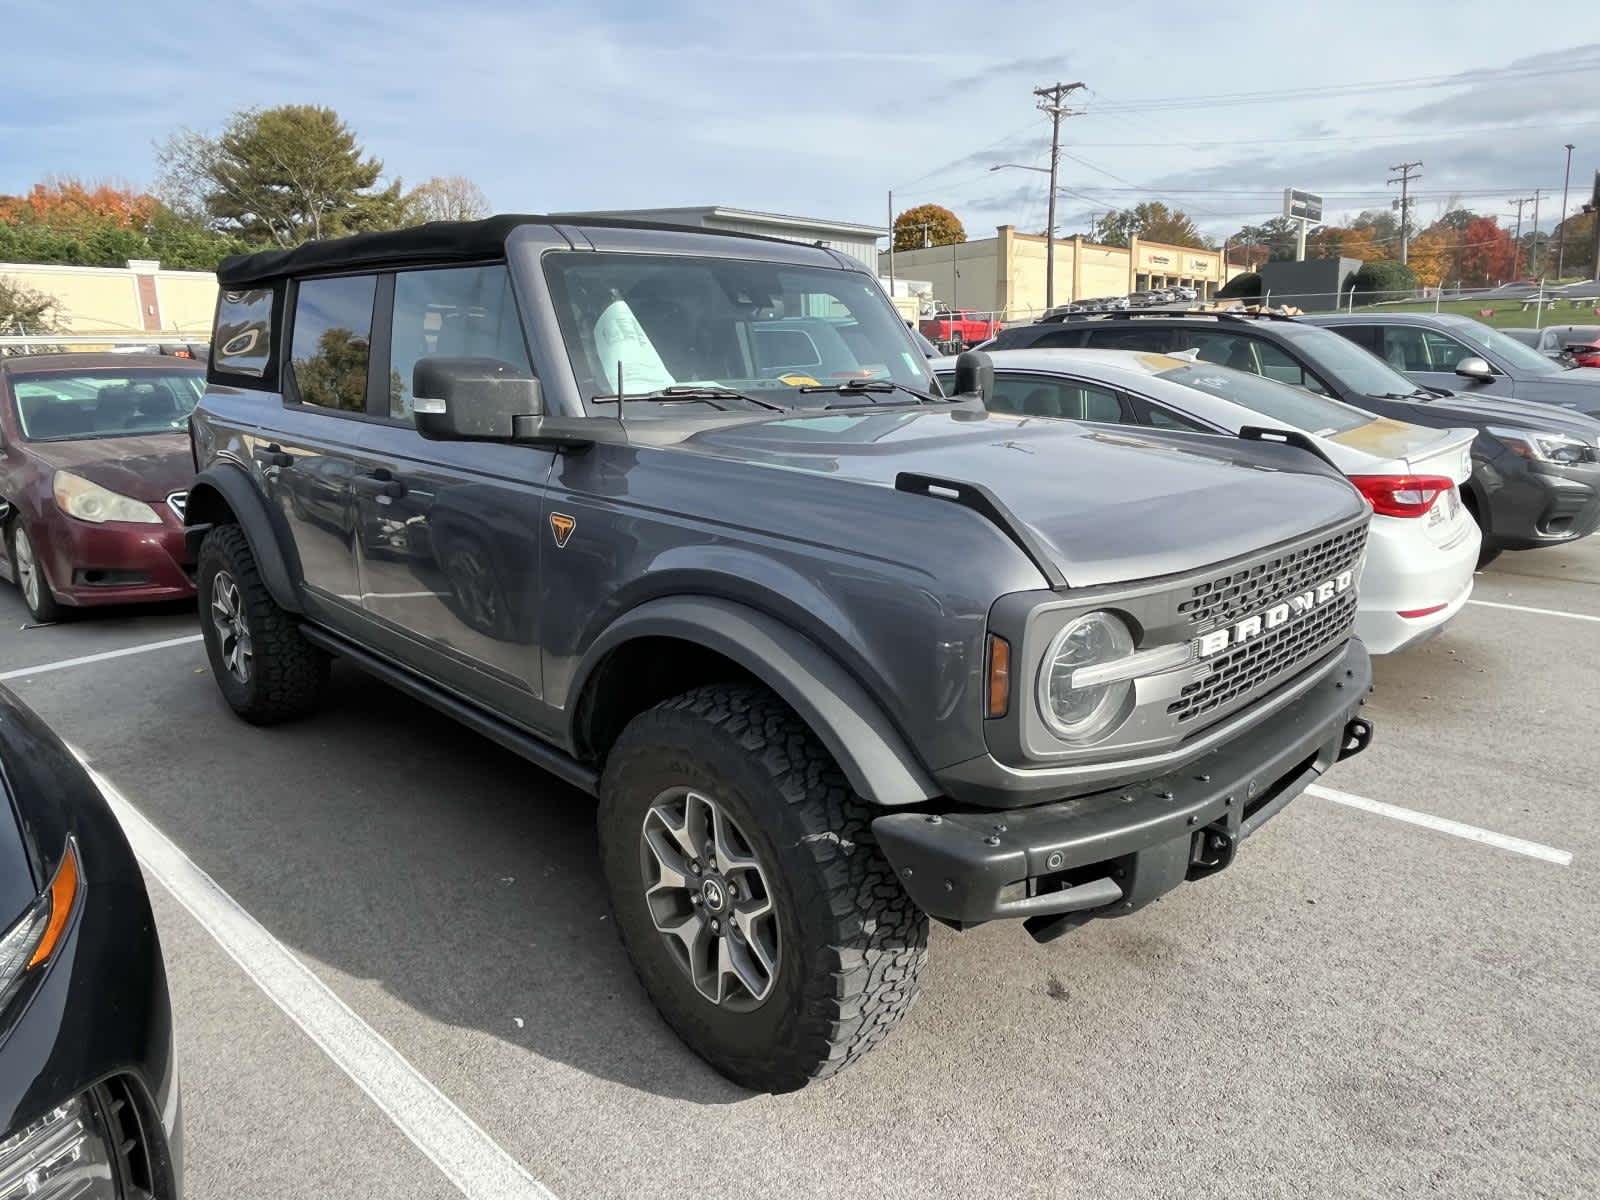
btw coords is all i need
(1279, 614)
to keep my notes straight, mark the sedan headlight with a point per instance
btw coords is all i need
(78, 497)
(1073, 711)
(1545, 447)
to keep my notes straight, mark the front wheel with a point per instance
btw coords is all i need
(266, 670)
(763, 921)
(30, 576)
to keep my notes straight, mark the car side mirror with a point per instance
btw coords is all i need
(1473, 367)
(975, 374)
(472, 399)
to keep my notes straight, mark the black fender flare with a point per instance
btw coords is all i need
(874, 757)
(230, 488)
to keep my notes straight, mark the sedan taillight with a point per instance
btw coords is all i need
(1402, 495)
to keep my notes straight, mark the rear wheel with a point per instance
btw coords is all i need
(29, 572)
(266, 670)
(767, 928)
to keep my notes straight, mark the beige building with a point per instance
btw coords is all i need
(1006, 273)
(140, 299)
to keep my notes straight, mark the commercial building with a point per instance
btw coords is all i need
(859, 242)
(1006, 273)
(140, 299)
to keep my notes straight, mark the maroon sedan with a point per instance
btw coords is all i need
(94, 469)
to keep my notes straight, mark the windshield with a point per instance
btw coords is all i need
(1351, 367)
(67, 405)
(764, 329)
(1294, 407)
(1521, 357)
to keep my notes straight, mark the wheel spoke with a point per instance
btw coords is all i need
(672, 871)
(734, 961)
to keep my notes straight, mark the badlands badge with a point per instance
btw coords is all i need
(561, 526)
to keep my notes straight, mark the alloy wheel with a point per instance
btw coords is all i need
(28, 577)
(709, 899)
(233, 629)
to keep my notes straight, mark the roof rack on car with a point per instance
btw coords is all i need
(1232, 314)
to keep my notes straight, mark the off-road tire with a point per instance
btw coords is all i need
(46, 609)
(852, 942)
(288, 673)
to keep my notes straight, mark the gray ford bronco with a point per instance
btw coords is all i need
(684, 519)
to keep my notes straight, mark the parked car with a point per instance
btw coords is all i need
(1444, 350)
(959, 328)
(1422, 548)
(88, 1079)
(1573, 345)
(94, 468)
(836, 657)
(1536, 467)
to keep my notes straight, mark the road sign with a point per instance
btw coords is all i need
(1303, 206)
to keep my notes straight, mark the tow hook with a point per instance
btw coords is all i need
(1211, 850)
(1357, 735)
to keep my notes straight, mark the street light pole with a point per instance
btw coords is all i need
(1561, 247)
(1049, 234)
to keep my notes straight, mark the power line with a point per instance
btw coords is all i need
(1410, 135)
(1052, 100)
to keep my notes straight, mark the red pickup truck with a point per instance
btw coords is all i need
(963, 326)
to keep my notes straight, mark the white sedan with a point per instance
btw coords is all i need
(1423, 545)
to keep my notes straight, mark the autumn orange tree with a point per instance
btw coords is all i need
(927, 225)
(1432, 254)
(1488, 255)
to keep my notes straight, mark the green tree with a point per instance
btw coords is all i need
(280, 175)
(927, 225)
(1278, 237)
(336, 375)
(23, 310)
(1384, 279)
(1151, 221)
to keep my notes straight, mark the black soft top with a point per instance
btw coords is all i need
(435, 242)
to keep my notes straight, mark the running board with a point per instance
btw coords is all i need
(541, 754)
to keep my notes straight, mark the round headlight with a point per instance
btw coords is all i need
(1083, 714)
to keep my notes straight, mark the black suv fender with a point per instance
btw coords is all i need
(870, 751)
(225, 493)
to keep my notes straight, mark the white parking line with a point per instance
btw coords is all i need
(1543, 612)
(456, 1144)
(1487, 837)
(85, 660)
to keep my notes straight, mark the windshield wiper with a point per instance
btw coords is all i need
(691, 391)
(851, 387)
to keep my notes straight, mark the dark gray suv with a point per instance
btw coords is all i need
(684, 519)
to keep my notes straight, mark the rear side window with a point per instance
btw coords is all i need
(1157, 340)
(242, 338)
(457, 312)
(1046, 396)
(333, 342)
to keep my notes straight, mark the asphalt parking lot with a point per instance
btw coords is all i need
(1362, 1006)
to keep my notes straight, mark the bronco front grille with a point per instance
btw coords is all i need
(1250, 589)
(1264, 660)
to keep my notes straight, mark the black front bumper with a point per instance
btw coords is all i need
(1112, 852)
(1541, 504)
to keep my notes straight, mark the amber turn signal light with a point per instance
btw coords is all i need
(998, 693)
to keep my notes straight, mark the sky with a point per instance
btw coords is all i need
(820, 108)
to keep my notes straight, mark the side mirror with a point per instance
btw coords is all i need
(975, 374)
(1473, 367)
(472, 399)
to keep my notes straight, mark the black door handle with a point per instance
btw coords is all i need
(380, 483)
(273, 456)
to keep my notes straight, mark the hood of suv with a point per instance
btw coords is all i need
(1110, 505)
(1579, 387)
(1522, 414)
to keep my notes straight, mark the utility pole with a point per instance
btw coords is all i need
(1516, 238)
(1533, 242)
(891, 242)
(1050, 101)
(1561, 246)
(1404, 179)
